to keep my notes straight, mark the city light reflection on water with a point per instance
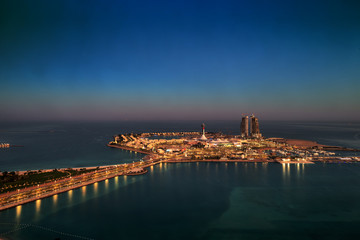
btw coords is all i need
(37, 208)
(283, 170)
(125, 179)
(116, 181)
(297, 170)
(298, 167)
(18, 212)
(55, 199)
(70, 194)
(95, 188)
(286, 171)
(264, 166)
(106, 184)
(303, 168)
(83, 191)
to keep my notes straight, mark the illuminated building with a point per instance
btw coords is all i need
(244, 126)
(254, 127)
(203, 132)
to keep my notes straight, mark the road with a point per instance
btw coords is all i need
(22, 196)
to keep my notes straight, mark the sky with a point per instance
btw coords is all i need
(179, 60)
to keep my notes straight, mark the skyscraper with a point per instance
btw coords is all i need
(255, 129)
(244, 126)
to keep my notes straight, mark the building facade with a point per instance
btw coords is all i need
(244, 128)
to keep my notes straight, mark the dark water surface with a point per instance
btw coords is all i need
(177, 201)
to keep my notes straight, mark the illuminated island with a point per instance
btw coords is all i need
(250, 146)
(169, 147)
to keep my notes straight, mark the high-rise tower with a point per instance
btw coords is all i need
(255, 129)
(203, 132)
(244, 126)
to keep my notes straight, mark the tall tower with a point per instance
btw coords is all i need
(203, 132)
(255, 129)
(244, 126)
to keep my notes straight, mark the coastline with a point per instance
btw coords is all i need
(64, 169)
(101, 173)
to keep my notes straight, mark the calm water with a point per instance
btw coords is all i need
(177, 201)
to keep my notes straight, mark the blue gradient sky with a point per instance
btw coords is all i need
(149, 60)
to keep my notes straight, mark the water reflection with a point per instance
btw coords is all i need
(37, 208)
(297, 170)
(116, 181)
(298, 167)
(70, 193)
(283, 170)
(18, 212)
(83, 191)
(125, 179)
(95, 188)
(303, 168)
(55, 198)
(106, 184)
(286, 171)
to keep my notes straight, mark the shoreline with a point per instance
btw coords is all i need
(65, 169)
(103, 172)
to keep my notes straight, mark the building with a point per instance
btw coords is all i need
(254, 127)
(203, 132)
(244, 128)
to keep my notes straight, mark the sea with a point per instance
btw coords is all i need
(183, 200)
